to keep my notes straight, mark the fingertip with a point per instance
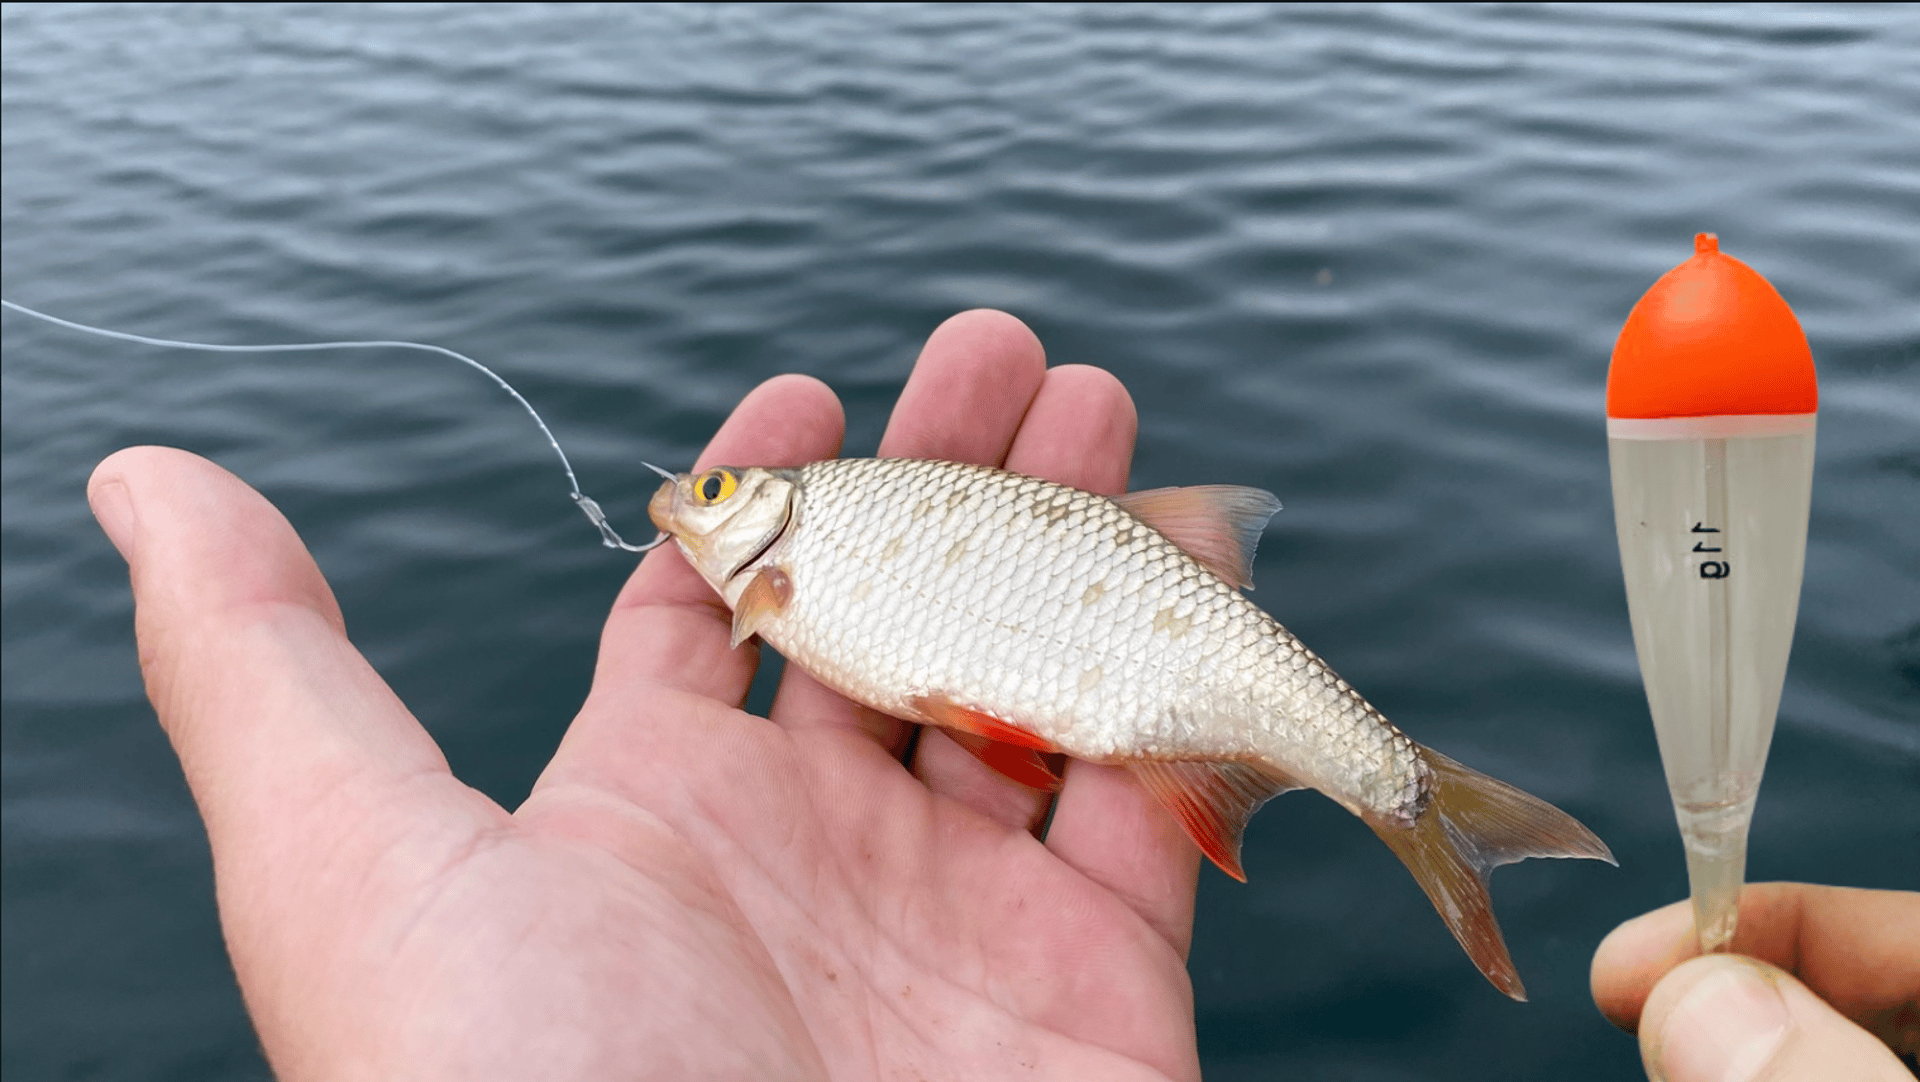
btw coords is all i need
(971, 386)
(1079, 430)
(1633, 957)
(115, 466)
(1718, 1018)
(1730, 1018)
(244, 651)
(112, 508)
(150, 462)
(786, 421)
(989, 329)
(195, 536)
(110, 498)
(1101, 391)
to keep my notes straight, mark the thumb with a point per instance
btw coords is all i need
(292, 745)
(324, 800)
(243, 648)
(1729, 1018)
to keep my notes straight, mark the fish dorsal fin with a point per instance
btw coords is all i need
(1218, 525)
(1213, 801)
(1023, 765)
(765, 596)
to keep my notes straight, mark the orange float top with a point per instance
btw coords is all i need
(1711, 338)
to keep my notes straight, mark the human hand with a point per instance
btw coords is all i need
(1825, 986)
(689, 891)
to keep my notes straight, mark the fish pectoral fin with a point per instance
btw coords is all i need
(941, 710)
(1213, 799)
(1218, 525)
(765, 596)
(1023, 765)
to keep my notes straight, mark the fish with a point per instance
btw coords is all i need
(1027, 618)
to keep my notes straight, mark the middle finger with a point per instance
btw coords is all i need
(964, 401)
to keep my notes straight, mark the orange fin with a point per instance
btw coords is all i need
(944, 712)
(1213, 800)
(1471, 825)
(1023, 765)
(765, 596)
(1218, 525)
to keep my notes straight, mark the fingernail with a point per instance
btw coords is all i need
(113, 508)
(1726, 1028)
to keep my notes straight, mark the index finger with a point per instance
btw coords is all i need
(964, 401)
(1857, 949)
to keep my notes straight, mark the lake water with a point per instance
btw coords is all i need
(1372, 259)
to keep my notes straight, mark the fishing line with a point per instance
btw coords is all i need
(588, 506)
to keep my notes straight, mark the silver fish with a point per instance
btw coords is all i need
(1026, 617)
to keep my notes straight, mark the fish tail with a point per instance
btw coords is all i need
(1471, 825)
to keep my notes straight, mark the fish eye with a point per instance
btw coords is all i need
(715, 485)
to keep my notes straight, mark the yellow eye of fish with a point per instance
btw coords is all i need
(715, 485)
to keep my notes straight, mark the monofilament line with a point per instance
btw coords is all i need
(587, 504)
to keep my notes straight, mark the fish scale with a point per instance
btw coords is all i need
(985, 601)
(1025, 616)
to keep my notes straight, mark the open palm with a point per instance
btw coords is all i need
(690, 891)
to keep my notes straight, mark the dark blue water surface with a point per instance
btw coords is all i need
(1371, 259)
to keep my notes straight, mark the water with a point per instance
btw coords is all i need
(1371, 259)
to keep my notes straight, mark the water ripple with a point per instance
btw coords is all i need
(1371, 258)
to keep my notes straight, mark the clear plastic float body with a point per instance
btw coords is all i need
(1711, 416)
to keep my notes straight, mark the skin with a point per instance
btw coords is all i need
(689, 891)
(1825, 985)
(694, 892)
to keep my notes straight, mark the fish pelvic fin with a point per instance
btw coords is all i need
(939, 708)
(1213, 800)
(1472, 825)
(1014, 752)
(1023, 765)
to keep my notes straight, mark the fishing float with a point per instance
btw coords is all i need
(1711, 405)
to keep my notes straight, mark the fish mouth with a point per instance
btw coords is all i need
(774, 537)
(660, 507)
